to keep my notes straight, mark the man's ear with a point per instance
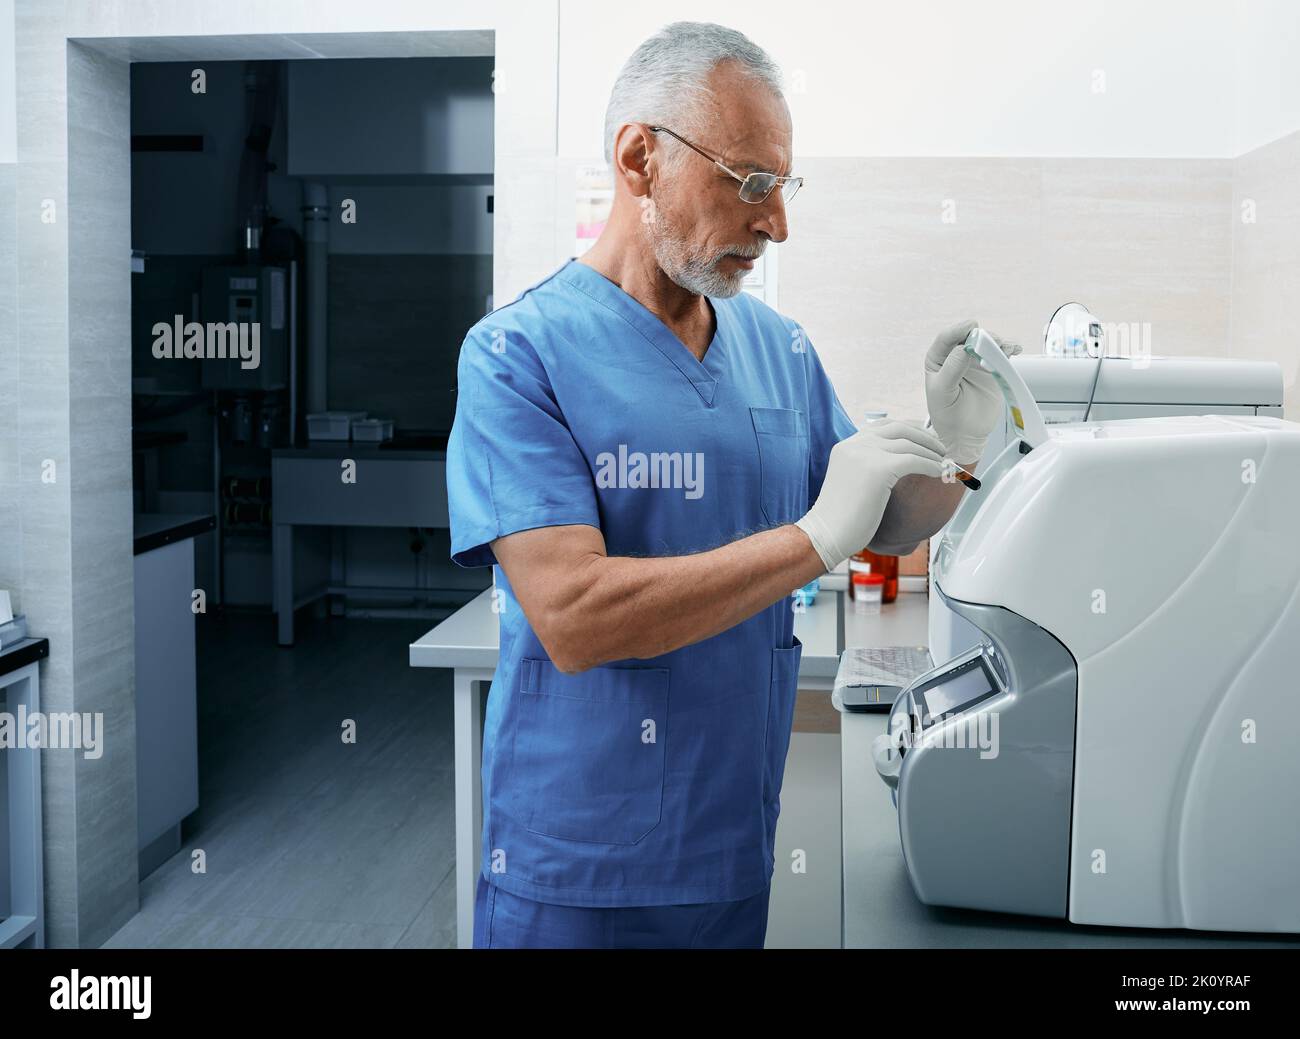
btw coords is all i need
(633, 146)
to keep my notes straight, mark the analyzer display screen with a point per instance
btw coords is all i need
(955, 690)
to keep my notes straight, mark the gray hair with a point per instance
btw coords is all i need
(665, 79)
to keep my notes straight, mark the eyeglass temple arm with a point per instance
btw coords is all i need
(698, 151)
(717, 162)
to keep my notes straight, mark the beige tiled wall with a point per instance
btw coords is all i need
(1266, 261)
(873, 271)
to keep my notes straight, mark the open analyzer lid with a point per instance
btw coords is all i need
(1026, 419)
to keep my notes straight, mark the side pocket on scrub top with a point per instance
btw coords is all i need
(780, 717)
(588, 762)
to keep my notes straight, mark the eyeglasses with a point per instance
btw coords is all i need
(755, 187)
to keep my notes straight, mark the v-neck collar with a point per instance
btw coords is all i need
(703, 375)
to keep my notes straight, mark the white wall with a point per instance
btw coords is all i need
(948, 77)
(945, 77)
(999, 78)
(1266, 39)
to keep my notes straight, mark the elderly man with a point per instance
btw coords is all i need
(653, 461)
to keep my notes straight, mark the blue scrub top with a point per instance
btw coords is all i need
(641, 782)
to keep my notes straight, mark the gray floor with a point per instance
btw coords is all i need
(313, 843)
(804, 910)
(310, 842)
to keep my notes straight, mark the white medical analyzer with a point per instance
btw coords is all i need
(1074, 389)
(1118, 747)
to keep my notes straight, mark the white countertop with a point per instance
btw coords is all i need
(470, 637)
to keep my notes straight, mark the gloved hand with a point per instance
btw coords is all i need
(963, 398)
(859, 478)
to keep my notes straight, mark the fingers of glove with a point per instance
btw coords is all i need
(945, 342)
(955, 368)
(887, 427)
(1008, 347)
(904, 433)
(870, 433)
(908, 464)
(948, 378)
(899, 448)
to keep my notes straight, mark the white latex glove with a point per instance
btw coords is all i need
(964, 401)
(859, 479)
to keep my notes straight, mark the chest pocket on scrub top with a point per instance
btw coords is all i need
(588, 757)
(782, 435)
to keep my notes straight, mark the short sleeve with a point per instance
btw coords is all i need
(828, 422)
(512, 462)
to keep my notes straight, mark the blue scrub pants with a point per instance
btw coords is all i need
(506, 921)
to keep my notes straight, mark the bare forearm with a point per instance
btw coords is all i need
(607, 608)
(918, 507)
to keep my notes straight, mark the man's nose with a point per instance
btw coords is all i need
(770, 221)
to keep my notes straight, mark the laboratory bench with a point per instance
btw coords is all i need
(155, 529)
(413, 448)
(401, 483)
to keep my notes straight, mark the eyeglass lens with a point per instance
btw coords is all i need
(758, 186)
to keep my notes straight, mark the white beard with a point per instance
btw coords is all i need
(693, 270)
